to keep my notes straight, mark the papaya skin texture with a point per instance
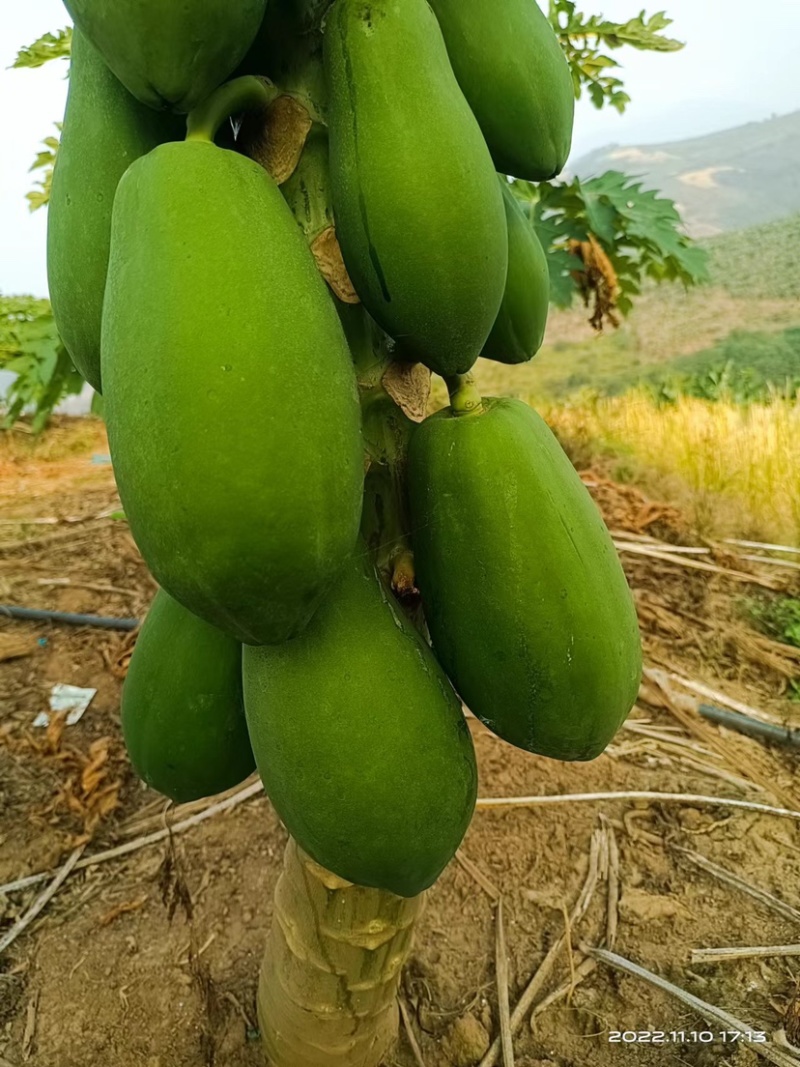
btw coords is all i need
(419, 214)
(518, 332)
(105, 130)
(526, 601)
(361, 742)
(512, 70)
(171, 56)
(182, 706)
(231, 399)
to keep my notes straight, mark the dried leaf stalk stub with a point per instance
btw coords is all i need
(328, 255)
(275, 137)
(409, 385)
(307, 192)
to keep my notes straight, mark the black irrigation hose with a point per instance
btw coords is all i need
(99, 621)
(744, 724)
(734, 720)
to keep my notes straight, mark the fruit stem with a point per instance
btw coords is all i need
(385, 521)
(465, 397)
(242, 94)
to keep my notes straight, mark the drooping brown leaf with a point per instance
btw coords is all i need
(172, 885)
(597, 282)
(117, 653)
(89, 783)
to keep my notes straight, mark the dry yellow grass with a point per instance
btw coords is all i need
(64, 438)
(60, 455)
(740, 466)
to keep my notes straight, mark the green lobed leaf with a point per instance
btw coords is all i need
(39, 196)
(640, 231)
(46, 48)
(31, 349)
(586, 39)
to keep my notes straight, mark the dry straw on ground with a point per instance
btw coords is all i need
(722, 452)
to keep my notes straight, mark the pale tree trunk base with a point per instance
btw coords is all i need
(327, 995)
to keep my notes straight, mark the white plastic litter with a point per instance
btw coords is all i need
(66, 698)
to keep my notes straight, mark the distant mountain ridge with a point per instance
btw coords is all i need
(723, 181)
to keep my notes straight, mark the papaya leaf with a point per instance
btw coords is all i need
(605, 237)
(31, 350)
(46, 48)
(39, 196)
(562, 285)
(587, 38)
(18, 365)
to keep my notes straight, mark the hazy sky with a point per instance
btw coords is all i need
(737, 67)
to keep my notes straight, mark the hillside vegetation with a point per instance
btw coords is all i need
(681, 399)
(685, 399)
(723, 181)
(761, 262)
(749, 314)
(733, 468)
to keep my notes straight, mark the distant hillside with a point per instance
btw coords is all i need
(721, 182)
(761, 262)
(747, 319)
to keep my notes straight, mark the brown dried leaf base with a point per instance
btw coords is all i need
(328, 254)
(275, 137)
(409, 385)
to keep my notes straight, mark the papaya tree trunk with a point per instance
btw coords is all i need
(327, 995)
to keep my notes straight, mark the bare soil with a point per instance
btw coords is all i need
(152, 960)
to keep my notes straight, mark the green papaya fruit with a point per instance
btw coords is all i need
(231, 399)
(527, 603)
(361, 742)
(514, 73)
(518, 332)
(105, 130)
(182, 706)
(419, 213)
(170, 56)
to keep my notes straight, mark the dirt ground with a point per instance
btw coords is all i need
(151, 960)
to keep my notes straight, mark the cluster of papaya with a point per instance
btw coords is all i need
(322, 616)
